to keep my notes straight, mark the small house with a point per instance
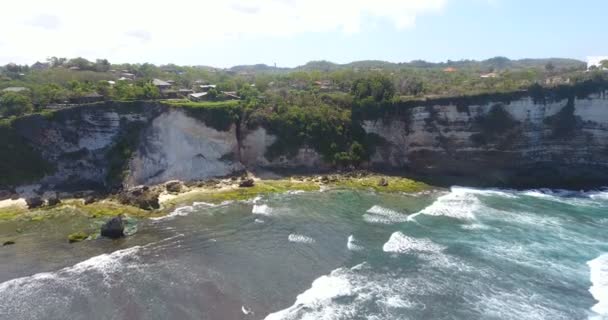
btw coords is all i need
(160, 84)
(200, 96)
(207, 87)
(15, 89)
(489, 75)
(40, 66)
(230, 95)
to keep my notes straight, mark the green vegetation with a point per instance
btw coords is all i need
(394, 184)
(218, 115)
(15, 104)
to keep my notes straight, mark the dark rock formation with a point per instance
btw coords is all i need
(5, 194)
(174, 186)
(248, 183)
(8, 243)
(53, 201)
(113, 229)
(143, 197)
(89, 200)
(34, 202)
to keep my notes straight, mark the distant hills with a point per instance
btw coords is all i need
(496, 63)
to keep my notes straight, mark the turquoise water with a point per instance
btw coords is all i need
(458, 254)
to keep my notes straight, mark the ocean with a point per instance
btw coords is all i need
(461, 253)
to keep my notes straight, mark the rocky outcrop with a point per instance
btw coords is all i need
(114, 228)
(141, 196)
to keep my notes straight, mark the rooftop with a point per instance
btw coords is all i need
(160, 83)
(15, 89)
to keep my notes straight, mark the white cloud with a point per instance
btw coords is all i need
(124, 28)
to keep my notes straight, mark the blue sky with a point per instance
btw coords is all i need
(292, 32)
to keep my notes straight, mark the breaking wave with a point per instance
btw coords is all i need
(261, 209)
(460, 203)
(17, 295)
(378, 214)
(400, 243)
(300, 238)
(352, 245)
(599, 288)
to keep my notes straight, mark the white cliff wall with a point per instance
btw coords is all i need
(176, 146)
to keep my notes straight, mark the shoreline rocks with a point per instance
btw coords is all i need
(114, 228)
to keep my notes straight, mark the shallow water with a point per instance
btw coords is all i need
(462, 254)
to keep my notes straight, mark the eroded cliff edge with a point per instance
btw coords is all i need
(521, 140)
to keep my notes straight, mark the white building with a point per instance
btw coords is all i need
(595, 61)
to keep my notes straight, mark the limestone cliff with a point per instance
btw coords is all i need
(515, 142)
(519, 142)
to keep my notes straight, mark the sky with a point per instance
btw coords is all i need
(224, 33)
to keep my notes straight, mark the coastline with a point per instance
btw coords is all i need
(212, 191)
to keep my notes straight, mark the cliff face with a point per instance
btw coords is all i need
(175, 146)
(77, 142)
(518, 143)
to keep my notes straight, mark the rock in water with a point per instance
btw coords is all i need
(89, 200)
(77, 237)
(247, 183)
(383, 182)
(53, 201)
(34, 202)
(113, 229)
(8, 243)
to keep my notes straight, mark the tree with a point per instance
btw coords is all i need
(604, 64)
(15, 104)
(150, 91)
(550, 67)
(81, 63)
(378, 87)
(102, 65)
(212, 94)
(56, 62)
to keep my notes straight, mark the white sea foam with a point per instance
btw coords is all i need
(400, 243)
(103, 265)
(599, 280)
(300, 238)
(378, 214)
(259, 221)
(352, 245)
(348, 293)
(261, 209)
(599, 195)
(185, 210)
(460, 203)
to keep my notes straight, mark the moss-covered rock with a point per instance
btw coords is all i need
(77, 237)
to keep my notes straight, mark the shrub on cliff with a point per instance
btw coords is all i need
(15, 104)
(563, 123)
(493, 125)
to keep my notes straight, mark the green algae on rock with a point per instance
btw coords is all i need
(77, 237)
